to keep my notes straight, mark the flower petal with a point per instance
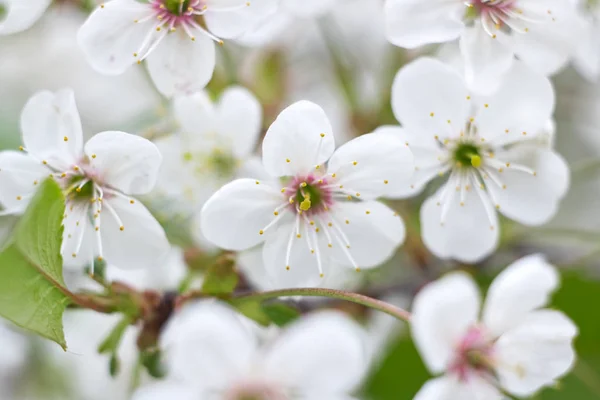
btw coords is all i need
(524, 103)
(531, 199)
(165, 390)
(373, 232)
(328, 352)
(300, 139)
(180, 65)
(308, 8)
(413, 23)
(430, 98)
(373, 165)
(125, 162)
(52, 129)
(78, 249)
(19, 175)
(21, 15)
(536, 353)
(467, 234)
(451, 388)
(443, 311)
(233, 217)
(587, 57)
(244, 16)
(135, 239)
(111, 38)
(196, 114)
(216, 332)
(522, 287)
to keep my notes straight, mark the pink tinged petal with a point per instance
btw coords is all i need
(111, 38)
(52, 129)
(19, 176)
(521, 288)
(214, 331)
(531, 197)
(450, 388)
(239, 119)
(300, 139)
(234, 216)
(131, 237)
(21, 15)
(467, 233)
(536, 353)
(373, 232)
(196, 114)
(125, 162)
(414, 23)
(430, 98)
(165, 390)
(322, 353)
(373, 165)
(518, 110)
(443, 311)
(181, 65)
(237, 17)
(487, 58)
(308, 8)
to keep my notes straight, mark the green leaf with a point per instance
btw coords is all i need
(279, 313)
(32, 290)
(253, 310)
(221, 277)
(112, 341)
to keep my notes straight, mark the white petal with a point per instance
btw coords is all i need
(52, 129)
(78, 246)
(239, 119)
(206, 343)
(233, 217)
(180, 65)
(426, 95)
(536, 353)
(21, 15)
(413, 23)
(196, 114)
(487, 58)
(308, 8)
(522, 287)
(587, 58)
(140, 244)
(165, 390)
(18, 176)
(524, 103)
(125, 162)
(374, 232)
(301, 134)
(246, 15)
(532, 199)
(467, 233)
(111, 39)
(443, 311)
(321, 353)
(450, 388)
(373, 165)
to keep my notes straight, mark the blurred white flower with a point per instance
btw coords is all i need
(180, 51)
(215, 145)
(213, 355)
(101, 218)
(491, 32)
(490, 147)
(323, 213)
(19, 15)
(587, 56)
(516, 346)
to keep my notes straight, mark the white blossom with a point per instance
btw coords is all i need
(317, 209)
(19, 15)
(489, 147)
(587, 56)
(102, 219)
(515, 345)
(212, 354)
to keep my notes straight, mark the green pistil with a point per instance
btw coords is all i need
(467, 154)
(85, 192)
(308, 197)
(175, 5)
(222, 164)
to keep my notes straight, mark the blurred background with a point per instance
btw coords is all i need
(341, 60)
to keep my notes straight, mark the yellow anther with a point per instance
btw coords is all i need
(287, 160)
(305, 205)
(74, 255)
(19, 198)
(287, 267)
(368, 212)
(121, 228)
(283, 190)
(333, 175)
(354, 162)
(131, 201)
(298, 236)
(93, 156)
(321, 275)
(347, 222)
(257, 182)
(261, 232)
(21, 148)
(35, 182)
(386, 181)
(476, 161)
(275, 213)
(303, 184)
(349, 197)
(357, 269)
(66, 139)
(322, 135)
(312, 222)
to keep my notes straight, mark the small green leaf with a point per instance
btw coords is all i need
(151, 359)
(253, 310)
(114, 365)
(279, 313)
(32, 290)
(221, 277)
(112, 341)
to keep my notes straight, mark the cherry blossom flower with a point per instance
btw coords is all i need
(179, 49)
(514, 346)
(102, 219)
(490, 148)
(491, 32)
(587, 56)
(212, 353)
(18, 15)
(323, 207)
(215, 145)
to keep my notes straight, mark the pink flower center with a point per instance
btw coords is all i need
(309, 195)
(255, 390)
(174, 13)
(474, 354)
